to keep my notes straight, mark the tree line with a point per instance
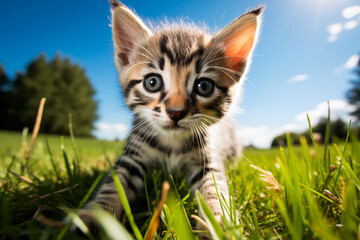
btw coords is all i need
(66, 87)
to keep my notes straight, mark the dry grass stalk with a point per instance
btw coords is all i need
(25, 179)
(154, 225)
(202, 222)
(328, 194)
(268, 177)
(35, 130)
(277, 234)
(47, 222)
(59, 191)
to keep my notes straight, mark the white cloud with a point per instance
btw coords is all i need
(110, 131)
(262, 136)
(352, 61)
(351, 12)
(299, 78)
(258, 136)
(332, 38)
(338, 109)
(349, 64)
(351, 24)
(334, 29)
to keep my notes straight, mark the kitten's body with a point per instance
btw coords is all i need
(181, 84)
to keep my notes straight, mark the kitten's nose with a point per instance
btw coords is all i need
(176, 115)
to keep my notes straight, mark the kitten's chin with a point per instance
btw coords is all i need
(174, 130)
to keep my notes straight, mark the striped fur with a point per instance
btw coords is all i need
(185, 123)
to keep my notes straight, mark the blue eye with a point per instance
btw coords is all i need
(204, 87)
(153, 83)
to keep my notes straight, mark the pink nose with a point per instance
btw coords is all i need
(176, 115)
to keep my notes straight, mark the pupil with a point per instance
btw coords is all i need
(153, 82)
(203, 86)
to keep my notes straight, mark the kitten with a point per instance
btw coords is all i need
(181, 83)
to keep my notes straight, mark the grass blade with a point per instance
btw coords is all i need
(327, 141)
(66, 160)
(348, 169)
(52, 159)
(75, 219)
(214, 227)
(91, 190)
(181, 202)
(181, 226)
(112, 228)
(126, 205)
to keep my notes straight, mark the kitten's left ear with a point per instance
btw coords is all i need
(239, 39)
(128, 31)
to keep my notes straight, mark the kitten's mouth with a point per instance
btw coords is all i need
(173, 127)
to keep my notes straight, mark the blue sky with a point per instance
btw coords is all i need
(303, 59)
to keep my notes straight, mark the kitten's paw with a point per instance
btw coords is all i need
(203, 236)
(88, 219)
(206, 236)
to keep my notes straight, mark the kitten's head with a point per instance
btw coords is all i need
(179, 79)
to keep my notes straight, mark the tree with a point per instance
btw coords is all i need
(5, 86)
(67, 90)
(281, 140)
(353, 95)
(4, 81)
(338, 131)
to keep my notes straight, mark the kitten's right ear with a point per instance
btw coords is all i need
(128, 31)
(239, 39)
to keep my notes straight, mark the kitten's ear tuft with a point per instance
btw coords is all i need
(128, 32)
(115, 3)
(239, 39)
(257, 11)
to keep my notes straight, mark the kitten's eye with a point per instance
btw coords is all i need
(153, 83)
(204, 87)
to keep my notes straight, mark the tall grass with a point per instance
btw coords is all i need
(297, 192)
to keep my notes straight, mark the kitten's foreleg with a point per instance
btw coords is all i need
(203, 181)
(131, 175)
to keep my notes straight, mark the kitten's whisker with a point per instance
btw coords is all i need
(204, 128)
(146, 136)
(201, 143)
(134, 65)
(238, 73)
(134, 138)
(193, 129)
(137, 52)
(233, 144)
(223, 70)
(223, 57)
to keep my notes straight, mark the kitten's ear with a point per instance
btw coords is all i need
(128, 31)
(239, 38)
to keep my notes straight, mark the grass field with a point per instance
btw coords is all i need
(304, 192)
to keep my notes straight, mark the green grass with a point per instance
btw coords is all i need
(316, 195)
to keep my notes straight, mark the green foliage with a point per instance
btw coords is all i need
(67, 89)
(337, 131)
(5, 86)
(353, 94)
(281, 139)
(4, 81)
(295, 192)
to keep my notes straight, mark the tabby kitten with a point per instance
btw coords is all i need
(181, 84)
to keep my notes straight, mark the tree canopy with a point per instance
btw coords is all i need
(338, 130)
(353, 95)
(67, 89)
